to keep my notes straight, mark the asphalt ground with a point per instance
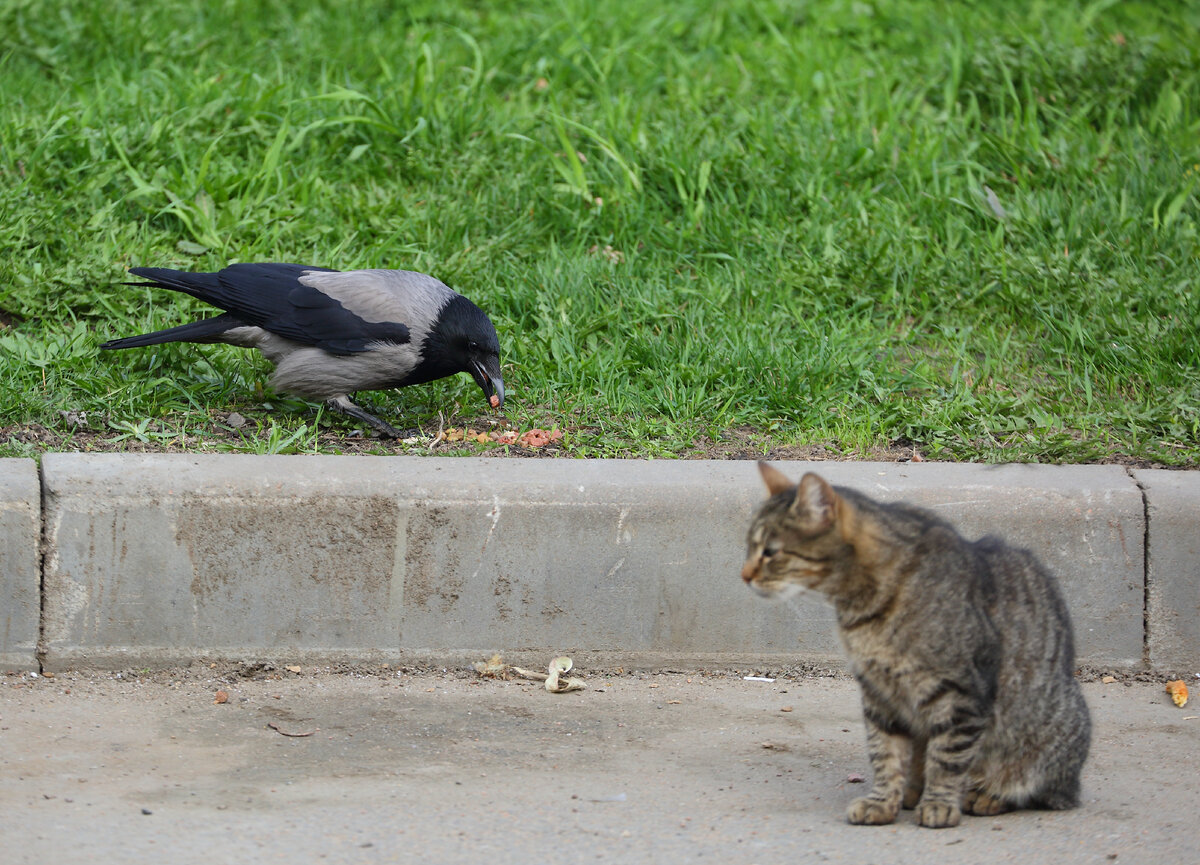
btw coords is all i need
(382, 765)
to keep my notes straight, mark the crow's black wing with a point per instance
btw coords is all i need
(272, 297)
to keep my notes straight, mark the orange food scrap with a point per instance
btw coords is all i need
(537, 438)
(221, 697)
(494, 401)
(534, 438)
(1178, 691)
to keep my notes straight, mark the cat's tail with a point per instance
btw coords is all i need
(1064, 761)
(1058, 800)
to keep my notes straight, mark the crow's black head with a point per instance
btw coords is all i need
(464, 340)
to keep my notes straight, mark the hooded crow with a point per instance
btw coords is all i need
(330, 333)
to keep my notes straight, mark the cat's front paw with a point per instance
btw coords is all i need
(982, 805)
(871, 812)
(938, 814)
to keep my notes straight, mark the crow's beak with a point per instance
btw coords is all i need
(486, 372)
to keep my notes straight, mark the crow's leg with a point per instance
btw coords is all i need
(345, 406)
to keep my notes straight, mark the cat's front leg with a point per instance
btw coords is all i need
(890, 753)
(916, 774)
(958, 724)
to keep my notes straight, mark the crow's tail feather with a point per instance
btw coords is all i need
(198, 285)
(205, 330)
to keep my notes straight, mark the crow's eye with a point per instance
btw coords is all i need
(473, 346)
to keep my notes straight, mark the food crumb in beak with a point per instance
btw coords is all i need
(494, 400)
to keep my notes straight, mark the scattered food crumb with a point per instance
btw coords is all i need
(1178, 691)
(786, 709)
(537, 438)
(495, 668)
(1108, 680)
(534, 438)
(221, 697)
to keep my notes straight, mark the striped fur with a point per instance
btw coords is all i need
(963, 651)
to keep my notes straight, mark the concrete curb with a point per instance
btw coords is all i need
(20, 563)
(160, 559)
(1172, 568)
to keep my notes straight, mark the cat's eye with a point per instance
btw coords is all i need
(771, 549)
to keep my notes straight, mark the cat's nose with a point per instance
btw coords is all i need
(750, 570)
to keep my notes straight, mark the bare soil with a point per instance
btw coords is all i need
(735, 444)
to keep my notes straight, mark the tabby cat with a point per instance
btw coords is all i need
(963, 651)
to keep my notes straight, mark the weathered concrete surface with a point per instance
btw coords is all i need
(20, 563)
(158, 559)
(1173, 568)
(654, 769)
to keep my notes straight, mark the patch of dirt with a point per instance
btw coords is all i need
(225, 671)
(221, 438)
(1128, 677)
(741, 444)
(746, 443)
(231, 432)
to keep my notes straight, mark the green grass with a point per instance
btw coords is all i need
(969, 226)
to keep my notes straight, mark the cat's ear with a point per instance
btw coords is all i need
(815, 504)
(775, 480)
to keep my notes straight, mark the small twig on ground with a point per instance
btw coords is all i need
(441, 433)
(275, 727)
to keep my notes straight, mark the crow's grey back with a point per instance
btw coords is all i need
(403, 296)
